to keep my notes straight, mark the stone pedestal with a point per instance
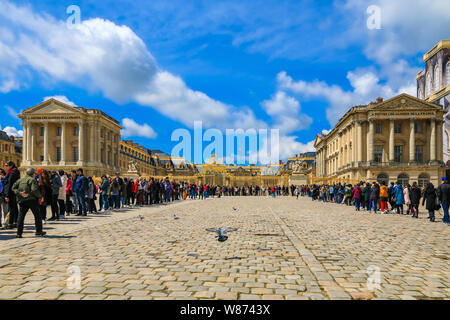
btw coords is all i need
(298, 179)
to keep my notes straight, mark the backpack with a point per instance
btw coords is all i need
(1, 187)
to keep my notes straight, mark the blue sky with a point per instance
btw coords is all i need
(157, 66)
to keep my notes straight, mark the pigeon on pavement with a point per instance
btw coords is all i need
(221, 233)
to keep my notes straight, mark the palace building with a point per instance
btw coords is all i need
(433, 85)
(399, 139)
(10, 149)
(60, 136)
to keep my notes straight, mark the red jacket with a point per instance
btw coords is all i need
(68, 186)
(134, 187)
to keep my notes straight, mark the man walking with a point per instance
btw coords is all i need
(27, 192)
(56, 185)
(443, 192)
(81, 186)
(12, 175)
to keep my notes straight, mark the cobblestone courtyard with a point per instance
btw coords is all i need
(284, 249)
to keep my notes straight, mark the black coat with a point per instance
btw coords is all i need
(443, 192)
(11, 178)
(415, 194)
(429, 195)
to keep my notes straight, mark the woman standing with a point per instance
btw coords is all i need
(115, 193)
(104, 193)
(384, 198)
(429, 195)
(45, 188)
(406, 193)
(357, 195)
(415, 195)
(91, 195)
(399, 198)
(62, 194)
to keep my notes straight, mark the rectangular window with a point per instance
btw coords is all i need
(76, 131)
(378, 153)
(41, 157)
(398, 127)
(398, 153)
(75, 154)
(58, 131)
(58, 154)
(42, 131)
(418, 154)
(418, 128)
(378, 128)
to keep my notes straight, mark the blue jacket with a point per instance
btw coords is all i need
(398, 194)
(81, 184)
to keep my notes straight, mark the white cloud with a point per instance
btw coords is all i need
(13, 113)
(102, 56)
(62, 99)
(290, 146)
(286, 112)
(366, 87)
(405, 29)
(11, 131)
(133, 129)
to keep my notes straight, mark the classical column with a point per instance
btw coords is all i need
(359, 139)
(433, 140)
(99, 146)
(92, 142)
(45, 142)
(354, 143)
(339, 150)
(412, 140)
(81, 141)
(440, 145)
(391, 140)
(370, 141)
(26, 142)
(31, 142)
(63, 142)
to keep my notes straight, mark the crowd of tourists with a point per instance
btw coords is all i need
(383, 198)
(74, 193)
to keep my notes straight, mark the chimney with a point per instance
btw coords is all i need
(379, 99)
(11, 138)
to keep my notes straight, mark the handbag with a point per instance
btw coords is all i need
(437, 203)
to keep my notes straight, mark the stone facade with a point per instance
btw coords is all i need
(10, 149)
(398, 139)
(60, 136)
(433, 85)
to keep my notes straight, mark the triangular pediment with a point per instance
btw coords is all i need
(52, 106)
(319, 138)
(404, 102)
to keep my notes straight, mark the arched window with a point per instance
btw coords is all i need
(382, 177)
(448, 73)
(403, 179)
(424, 178)
(428, 85)
(437, 79)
